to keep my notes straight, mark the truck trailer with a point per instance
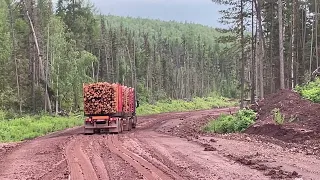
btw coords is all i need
(109, 107)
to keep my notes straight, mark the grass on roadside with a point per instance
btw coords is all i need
(181, 105)
(33, 126)
(231, 123)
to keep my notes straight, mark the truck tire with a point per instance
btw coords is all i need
(126, 124)
(130, 124)
(134, 122)
(120, 129)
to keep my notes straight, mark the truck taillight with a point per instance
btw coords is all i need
(88, 119)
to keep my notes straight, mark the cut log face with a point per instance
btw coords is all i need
(100, 98)
(106, 98)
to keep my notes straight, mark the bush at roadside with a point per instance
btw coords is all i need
(310, 91)
(232, 123)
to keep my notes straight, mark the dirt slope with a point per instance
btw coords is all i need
(302, 120)
(166, 146)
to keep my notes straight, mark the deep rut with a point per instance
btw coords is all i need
(85, 161)
(148, 170)
(79, 164)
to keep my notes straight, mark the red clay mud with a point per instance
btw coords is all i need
(164, 146)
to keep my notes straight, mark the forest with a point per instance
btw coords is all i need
(282, 51)
(48, 53)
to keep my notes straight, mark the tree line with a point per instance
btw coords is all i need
(48, 53)
(282, 49)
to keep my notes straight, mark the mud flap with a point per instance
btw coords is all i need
(88, 131)
(127, 126)
(118, 124)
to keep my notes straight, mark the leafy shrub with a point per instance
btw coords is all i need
(310, 91)
(277, 116)
(6, 115)
(232, 123)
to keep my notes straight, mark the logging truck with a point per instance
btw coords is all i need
(109, 108)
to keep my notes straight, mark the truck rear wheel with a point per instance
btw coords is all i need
(126, 124)
(134, 122)
(130, 122)
(120, 126)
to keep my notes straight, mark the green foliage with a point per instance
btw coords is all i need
(231, 123)
(310, 91)
(2, 115)
(277, 116)
(5, 61)
(8, 114)
(33, 126)
(158, 45)
(168, 30)
(170, 60)
(182, 105)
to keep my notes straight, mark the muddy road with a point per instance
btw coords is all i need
(166, 146)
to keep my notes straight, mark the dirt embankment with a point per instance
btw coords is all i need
(302, 120)
(258, 153)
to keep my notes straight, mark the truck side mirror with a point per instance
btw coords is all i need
(137, 105)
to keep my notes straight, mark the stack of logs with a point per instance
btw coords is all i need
(125, 99)
(100, 98)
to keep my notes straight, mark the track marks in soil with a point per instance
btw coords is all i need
(273, 172)
(79, 163)
(34, 160)
(117, 167)
(148, 171)
(273, 161)
(93, 149)
(100, 168)
(190, 161)
(153, 156)
(54, 172)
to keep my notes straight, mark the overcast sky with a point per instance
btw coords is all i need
(198, 11)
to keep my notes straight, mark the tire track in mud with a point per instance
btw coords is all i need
(93, 150)
(79, 164)
(148, 170)
(99, 165)
(194, 164)
(189, 165)
(116, 167)
(54, 172)
(156, 158)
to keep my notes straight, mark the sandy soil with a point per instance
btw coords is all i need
(165, 146)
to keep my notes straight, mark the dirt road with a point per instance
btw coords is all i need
(166, 146)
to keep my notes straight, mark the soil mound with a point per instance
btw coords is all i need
(302, 118)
